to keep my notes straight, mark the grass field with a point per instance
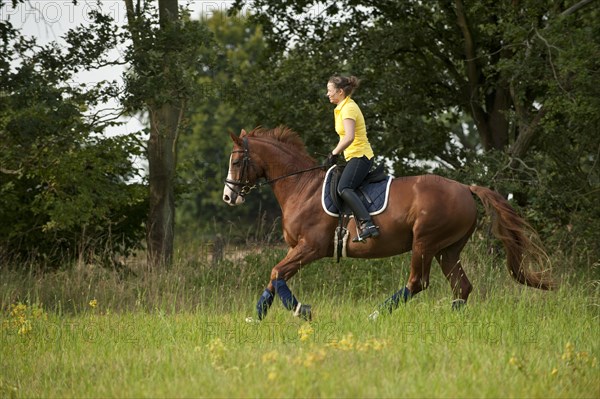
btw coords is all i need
(89, 332)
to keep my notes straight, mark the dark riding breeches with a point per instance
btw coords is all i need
(354, 173)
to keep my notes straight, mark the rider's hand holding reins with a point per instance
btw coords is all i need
(330, 160)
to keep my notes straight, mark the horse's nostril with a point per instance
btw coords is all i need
(226, 198)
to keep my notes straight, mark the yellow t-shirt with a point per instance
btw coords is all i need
(348, 109)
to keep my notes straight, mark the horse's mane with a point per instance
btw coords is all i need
(284, 135)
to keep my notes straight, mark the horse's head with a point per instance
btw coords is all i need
(242, 173)
(274, 154)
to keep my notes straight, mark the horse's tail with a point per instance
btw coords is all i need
(515, 232)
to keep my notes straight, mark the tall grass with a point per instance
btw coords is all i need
(87, 331)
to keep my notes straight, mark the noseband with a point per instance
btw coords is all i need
(244, 181)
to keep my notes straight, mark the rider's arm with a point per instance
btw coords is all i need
(349, 125)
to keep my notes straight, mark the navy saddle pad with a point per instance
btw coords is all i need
(374, 195)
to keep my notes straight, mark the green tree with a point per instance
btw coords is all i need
(167, 54)
(66, 189)
(505, 92)
(214, 112)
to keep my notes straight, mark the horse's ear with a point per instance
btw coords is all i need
(235, 139)
(243, 134)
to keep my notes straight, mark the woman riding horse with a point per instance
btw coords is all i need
(350, 126)
(429, 215)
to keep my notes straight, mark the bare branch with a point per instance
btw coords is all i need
(10, 171)
(576, 7)
(549, 46)
(472, 70)
(525, 138)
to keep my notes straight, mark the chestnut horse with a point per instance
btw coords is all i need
(429, 215)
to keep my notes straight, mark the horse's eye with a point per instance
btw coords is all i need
(235, 162)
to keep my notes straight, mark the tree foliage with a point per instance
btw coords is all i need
(168, 51)
(66, 189)
(217, 109)
(502, 93)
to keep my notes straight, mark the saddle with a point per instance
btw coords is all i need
(374, 192)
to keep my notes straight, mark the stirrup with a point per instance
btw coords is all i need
(369, 231)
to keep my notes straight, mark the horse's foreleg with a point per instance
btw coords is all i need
(284, 270)
(279, 276)
(264, 302)
(278, 286)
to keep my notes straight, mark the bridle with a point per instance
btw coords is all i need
(244, 182)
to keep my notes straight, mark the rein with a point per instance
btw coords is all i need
(246, 188)
(290, 174)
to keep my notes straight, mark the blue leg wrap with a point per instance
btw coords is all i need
(394, 301)
(287, 298)
(264, 303)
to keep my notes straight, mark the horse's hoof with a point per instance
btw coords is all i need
(458, 304)
(303, 311)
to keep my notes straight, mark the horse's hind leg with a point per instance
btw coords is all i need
(420, 266)
(449, 259)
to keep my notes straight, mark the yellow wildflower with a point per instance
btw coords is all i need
(370, 344)
(334, 343)
(314, 357)
(583, 357)
(554, 372)
(25, 327)
(38, 313)
(347, 342)
(569, 347)
(18, 310)
(515, 362)
(272, 375)
(93, 303)
(216, 350)
(305, 332)
(378, 345)
(270, 357)
(568, 354)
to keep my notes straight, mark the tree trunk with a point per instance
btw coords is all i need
(498, 121)
(165, 118)
(162, 161)
(492, 122)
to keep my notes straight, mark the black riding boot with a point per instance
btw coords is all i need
(363, 219)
